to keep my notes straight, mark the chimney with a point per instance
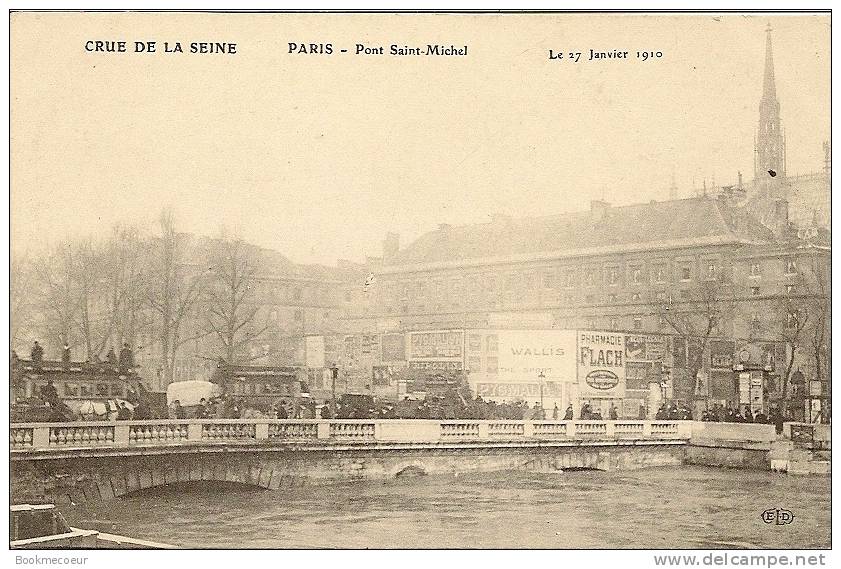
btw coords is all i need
(781, 223)
(444, 227)
(598, 209)
(391, 245)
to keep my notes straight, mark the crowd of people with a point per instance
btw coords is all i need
(123, 362)
(723, 414)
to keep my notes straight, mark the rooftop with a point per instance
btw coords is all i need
(602, 229)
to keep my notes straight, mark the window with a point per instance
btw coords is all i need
(714, 322)
(613, 276)
(637, 323)
(711, 270)
(71, 390)
(591, 278)
(660, 273)
(492, 343)
(614, 323)
(347, 296)
(754, 291)
(273, 315)
(297, 294)
(611, 298)
(299, 315)
(570, 280)
(686, 273)
(755, 269)
(530, 281)
(636, 275)
(755, 320)
(661, 295)
(791, 289)
(548, 280)
(792, 319)
(791, 266)
(636, 297)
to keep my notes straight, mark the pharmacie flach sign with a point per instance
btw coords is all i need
(601, 364)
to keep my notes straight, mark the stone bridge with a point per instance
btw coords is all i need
(60, 462)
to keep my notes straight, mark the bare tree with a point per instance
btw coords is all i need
(804, 316)
(232, 302)
(22, 281)
(175, 286)
(58, 303)
(126, 280)
(699, 317)
(94, 320)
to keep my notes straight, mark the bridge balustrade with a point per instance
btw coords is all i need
(125, 434)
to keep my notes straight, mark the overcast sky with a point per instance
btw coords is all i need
(319, 156)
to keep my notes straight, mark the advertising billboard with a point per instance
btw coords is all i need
(436, 345)
(394, 348)
(315, 351)
(525, 354)
(645, 348)
(514, 361)
(601, 364)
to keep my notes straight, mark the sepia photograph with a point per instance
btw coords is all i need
(425, 280)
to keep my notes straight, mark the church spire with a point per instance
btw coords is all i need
(770, 141)
(769, 87)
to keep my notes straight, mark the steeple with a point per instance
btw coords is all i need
(770, 159)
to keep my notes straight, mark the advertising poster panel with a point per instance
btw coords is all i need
(394, 348)
(721, 354)
(439, 350)
(645, 348)
(315, 351)
(521, 356)
(601, 365)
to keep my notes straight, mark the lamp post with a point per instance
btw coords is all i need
(334, 371)
(540, 378)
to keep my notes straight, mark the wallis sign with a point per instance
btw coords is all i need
(601, 364)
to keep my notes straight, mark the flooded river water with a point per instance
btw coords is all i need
(682, 507)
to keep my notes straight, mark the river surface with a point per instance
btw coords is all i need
(681, 507)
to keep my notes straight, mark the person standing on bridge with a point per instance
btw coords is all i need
(556, 412)
(111, 357)
(613, 413)
(126, 358)
(36, 354)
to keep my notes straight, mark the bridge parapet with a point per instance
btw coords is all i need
(29, 437)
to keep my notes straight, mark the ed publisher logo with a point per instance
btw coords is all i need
(777, 516)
